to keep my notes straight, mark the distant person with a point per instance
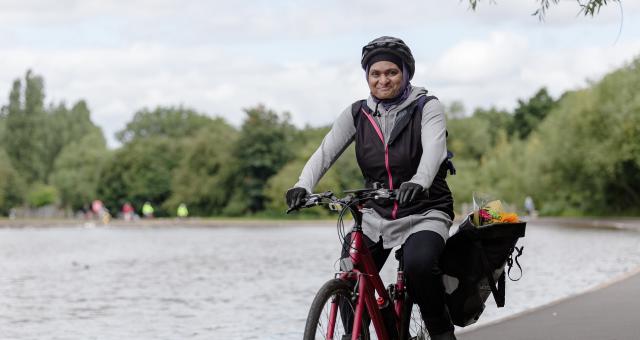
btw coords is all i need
(100, 212)
(97, 208)
(183, 212)
(127, 211)
(399, 133)
(147, 210)
(529, 206)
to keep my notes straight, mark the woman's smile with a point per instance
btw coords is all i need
(385, 80)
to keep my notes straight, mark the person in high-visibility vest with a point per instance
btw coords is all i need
(147, 210)
(182, 210)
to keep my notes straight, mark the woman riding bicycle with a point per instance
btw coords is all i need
(400, 136)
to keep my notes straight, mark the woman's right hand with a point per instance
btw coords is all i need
(295, 196)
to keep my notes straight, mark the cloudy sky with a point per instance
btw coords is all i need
(220, 57)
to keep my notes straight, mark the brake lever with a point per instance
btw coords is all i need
(297, 207)
(385, 194)
(307, 202)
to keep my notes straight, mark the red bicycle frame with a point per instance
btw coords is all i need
(390, 312)
(369, 283)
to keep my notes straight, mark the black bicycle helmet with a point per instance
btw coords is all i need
(391, 45)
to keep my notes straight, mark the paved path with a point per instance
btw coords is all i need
(609, 313)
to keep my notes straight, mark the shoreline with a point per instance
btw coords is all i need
(626, 223)
(160, 222)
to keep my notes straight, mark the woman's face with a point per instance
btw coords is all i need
(385, 80)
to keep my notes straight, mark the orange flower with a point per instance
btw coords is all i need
(509, 218)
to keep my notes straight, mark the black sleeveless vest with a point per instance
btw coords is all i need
(397, 162)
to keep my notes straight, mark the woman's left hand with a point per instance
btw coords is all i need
(408, 192)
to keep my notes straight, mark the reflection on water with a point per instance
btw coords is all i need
(235, 282)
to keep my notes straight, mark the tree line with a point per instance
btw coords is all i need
(578, 154)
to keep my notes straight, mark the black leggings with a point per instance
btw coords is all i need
(420, 255)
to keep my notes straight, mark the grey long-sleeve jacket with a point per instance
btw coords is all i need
(433, 138)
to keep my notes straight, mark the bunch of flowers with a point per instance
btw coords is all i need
(487, 216)
(490, 211)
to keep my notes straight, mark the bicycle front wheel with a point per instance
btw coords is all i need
(332, 312)
(413, 327)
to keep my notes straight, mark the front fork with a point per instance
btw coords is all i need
(366, 298)
(397, 293)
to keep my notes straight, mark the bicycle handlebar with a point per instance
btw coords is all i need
(328, 197)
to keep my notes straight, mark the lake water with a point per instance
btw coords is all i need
(236, 282)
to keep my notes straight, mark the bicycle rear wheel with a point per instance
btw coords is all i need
(413, 325)
(333, 308)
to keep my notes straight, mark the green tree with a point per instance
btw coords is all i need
(77, 169)
(586, 152)
(469, 138)
(529, 114)
(465, 182)
(41, 195)
(140, 171)
(503, 172)
(204, 178)
(12, 186)
(155, 144)
(344, 174)
(499, 122)
(264, 145)
(34, 136)
(575, 156)
(3, 123)
(65, 127)
(24, 138)
(175, 122)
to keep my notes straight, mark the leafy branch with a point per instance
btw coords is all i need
(587, 7)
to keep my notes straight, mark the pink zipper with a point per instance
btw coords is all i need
(394, 212)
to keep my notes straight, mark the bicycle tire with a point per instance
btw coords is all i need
(321, 306)
(413, 327)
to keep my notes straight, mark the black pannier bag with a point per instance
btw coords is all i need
(473, 262)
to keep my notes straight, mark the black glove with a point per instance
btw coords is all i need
(408, 192)
(295, 196)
